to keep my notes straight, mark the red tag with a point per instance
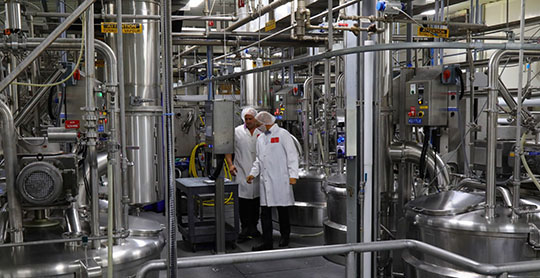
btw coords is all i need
(258, 135)
(274, 140)
(77, 74)
(73, 124)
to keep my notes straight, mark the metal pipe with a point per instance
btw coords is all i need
(124, 187)
(55, 241)
(458, 260)
(472, 183)
(13, 15)
(52, 36)
(337, 8)
(350, 269)
(9, 141)
(411, 152)
(168, 102)
(91, 122)
(371, 48)
(308, 94)
(131, 16)
(517, 162)
(260, 12)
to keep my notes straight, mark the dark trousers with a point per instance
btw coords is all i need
(266, 221)
(249, 214)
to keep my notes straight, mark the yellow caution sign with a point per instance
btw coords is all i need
(433, 32)
(270, 25)
(127, 28)
(100, 63)
(265, 63)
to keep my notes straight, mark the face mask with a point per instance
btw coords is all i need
(262, 128)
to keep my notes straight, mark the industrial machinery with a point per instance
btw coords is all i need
(416, 123)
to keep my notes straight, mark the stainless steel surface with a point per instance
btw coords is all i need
(185, 131)
(335, 226)
(62, 260)
(11, 169)
(411, 152)
(309, 208)
(13, 15)
(141, 75)
(456, 222)
(255, 87)
(50, 38)
(62, 135)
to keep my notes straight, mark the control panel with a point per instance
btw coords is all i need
(286, 103)
(428, 101)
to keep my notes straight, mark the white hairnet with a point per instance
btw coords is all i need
(265, 118)
(248, 111)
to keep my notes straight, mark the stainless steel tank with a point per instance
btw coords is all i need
(335, 225)
(309, 208)
(255, 87)
(142, 85)
(455, 221)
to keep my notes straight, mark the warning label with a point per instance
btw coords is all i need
(270, 25)
(433, 32)
(127, 28)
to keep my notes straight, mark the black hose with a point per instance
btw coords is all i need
(461, 82)
(50, 109)
(217, 171)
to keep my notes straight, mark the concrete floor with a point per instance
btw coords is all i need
(290, 268)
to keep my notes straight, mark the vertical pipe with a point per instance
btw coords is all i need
(9, 146)
(409, 32)
(209, 69)
(121, 222)
(13, 23)
(518, 150)
(328, 85)
(166, 40)
(90, 118)
(351, 265)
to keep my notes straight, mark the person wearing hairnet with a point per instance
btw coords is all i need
(277, 167)
(245, 138)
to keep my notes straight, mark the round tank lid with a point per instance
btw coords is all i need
(339, 180)
(446, 203)
(139, 226)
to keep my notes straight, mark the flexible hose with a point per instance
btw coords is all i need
(526, 165)
(81, 52)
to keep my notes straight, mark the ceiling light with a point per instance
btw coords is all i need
(194, 3)
(428, 12)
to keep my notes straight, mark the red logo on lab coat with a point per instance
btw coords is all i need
(274, 140)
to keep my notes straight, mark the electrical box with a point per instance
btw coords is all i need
(428, 101)
(286, 102)
(219, 123)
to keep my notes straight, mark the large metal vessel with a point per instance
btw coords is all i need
(141, 74)
(455, 221)
(309, 208)
(144, 243)
(335, 225)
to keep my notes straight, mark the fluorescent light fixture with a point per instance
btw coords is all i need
(194, 3)
(428, 12)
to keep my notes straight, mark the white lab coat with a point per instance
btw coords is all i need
(277, 161)
(244, 156)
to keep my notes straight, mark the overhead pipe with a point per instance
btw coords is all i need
(372, 48)
(270, 7)
(412, 152)
(320, 15)
(9, 140)
(43, 46)
(131, 16)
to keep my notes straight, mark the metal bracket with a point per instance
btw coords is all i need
(138, 101)
(90, 268)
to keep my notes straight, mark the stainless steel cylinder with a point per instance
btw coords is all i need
(141, 75)
(13, 15)
(335, 226)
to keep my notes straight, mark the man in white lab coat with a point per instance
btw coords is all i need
(277, 167)
(245, 138)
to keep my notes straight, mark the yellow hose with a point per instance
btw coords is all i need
(192, 170)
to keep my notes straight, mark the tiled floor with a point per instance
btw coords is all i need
(291, 268)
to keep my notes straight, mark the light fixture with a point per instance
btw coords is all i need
(428, 12)
(194, 3)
